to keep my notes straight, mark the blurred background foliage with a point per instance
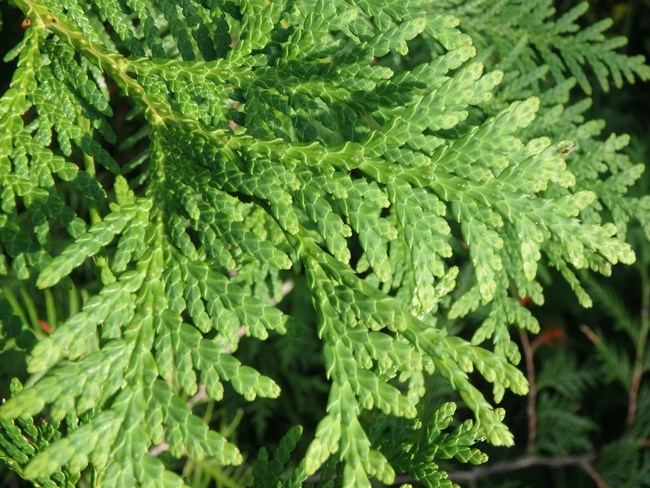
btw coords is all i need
(588, 419)
(592, 408)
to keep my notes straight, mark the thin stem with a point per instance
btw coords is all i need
(637, 374)
(30, 307)
(593, 474)
(114, 64)
(523, 462)
(15, 304)
(473, 475)
(89, 166)
(531, 406)
(93, 477)
(73, 300)
(50, 308)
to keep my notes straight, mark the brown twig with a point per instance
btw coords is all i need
(200, 396)
(287, 286)
(158, 449)
(523, 462)
(583, 461)
(593, 474)
(637, 374)
(531, 405)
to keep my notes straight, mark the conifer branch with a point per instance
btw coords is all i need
(111, 63)
(317, 157)
(640, 349)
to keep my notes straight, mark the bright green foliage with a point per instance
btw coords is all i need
(532, 35)
(282, 138)
(414, 447)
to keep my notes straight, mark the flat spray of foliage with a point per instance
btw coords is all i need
(358, 143)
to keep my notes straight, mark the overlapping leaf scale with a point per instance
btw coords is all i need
(167, 283)
(73, 11)
(329, 223)
(268, 472)
(29, 164)
(381, 30)
(227, 175)
(275, 182)
(16, 100)
(340, 431)
(362, 207)
(546, 224)
(131, 246)
(90, 243)
(111, 11)
(103, 373)
(395, 38)
(206, 206)
(559, 43)
(173, 351)
(179, 29)
(391, 355)
(610, 177)
(599, 165)
(150, 30)
(200, 90)
(77, 387)
(109, 439)
(70, 338)
(217, 366)
(172, 421)
(479, 221)
(425, 233)
(338, 192)
(313, 25)
(356, 386)
(238, 234)
(393, 9)
(16, 450)
(66, 171)
(205, 40)
(334, 86)
(590, 160)
(255, 316)
(454, 358)
(440, 109)
(269, 185)
(32, 181)
(213, 302)
(55, 101)
(68, 70)
(93, 375)
(23, 438)
(182, 352)
(211, 237)
(257, 21)
(89, 443)
(434, 443)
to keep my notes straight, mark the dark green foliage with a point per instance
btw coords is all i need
(186, 164)
(22, 439)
